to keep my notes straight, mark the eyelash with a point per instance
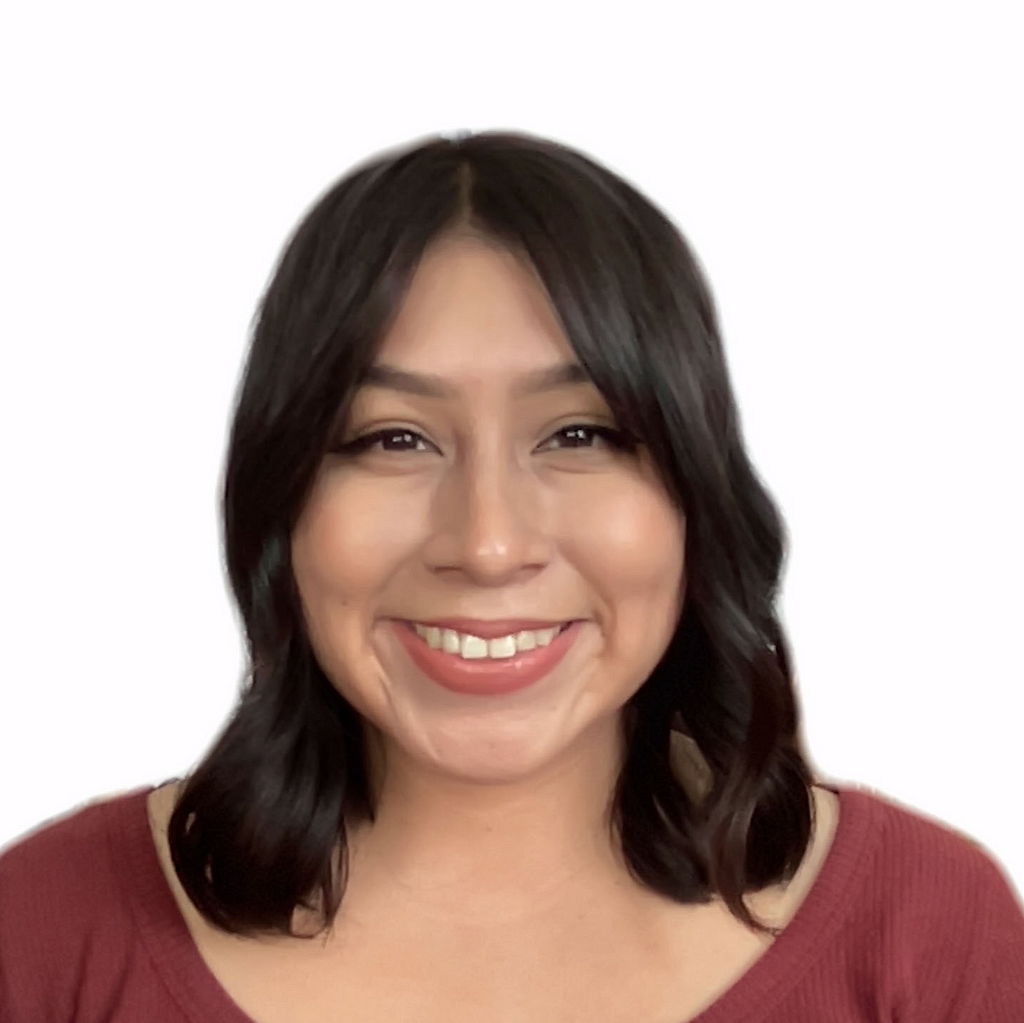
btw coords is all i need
(619, 440)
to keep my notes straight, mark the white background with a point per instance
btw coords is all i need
(850, 176)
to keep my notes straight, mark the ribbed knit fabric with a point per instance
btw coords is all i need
(907, 922)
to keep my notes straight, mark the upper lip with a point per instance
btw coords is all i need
(490, 628)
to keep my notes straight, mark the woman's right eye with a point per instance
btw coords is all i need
(398, 440)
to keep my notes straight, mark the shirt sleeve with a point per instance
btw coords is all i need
(1000, 995)
(30, 941)
(954, 933)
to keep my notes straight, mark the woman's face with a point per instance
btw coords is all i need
(489, 500)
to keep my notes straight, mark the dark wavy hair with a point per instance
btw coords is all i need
(259, 821)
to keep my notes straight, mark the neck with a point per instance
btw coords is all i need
(504, 851)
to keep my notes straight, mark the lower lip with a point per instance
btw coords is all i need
(485, 676)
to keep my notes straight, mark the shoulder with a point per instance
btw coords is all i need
(64, 914)
(939, 909)
(925, 854)
(926, 867)
(62, 852)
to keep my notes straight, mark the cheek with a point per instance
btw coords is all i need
(631, 546)
(345, 549)
(632, 537)
(348, 541)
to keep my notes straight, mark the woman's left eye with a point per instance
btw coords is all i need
(582, 435)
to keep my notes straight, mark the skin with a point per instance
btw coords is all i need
(492, 515)
(489, 887)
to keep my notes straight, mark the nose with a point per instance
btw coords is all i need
(489, 522)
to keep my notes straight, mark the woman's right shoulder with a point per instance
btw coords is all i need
(66, 838)
(66, 871)
(64, 906)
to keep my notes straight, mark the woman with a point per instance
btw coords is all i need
(519, 740)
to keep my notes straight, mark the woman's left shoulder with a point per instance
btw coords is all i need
(940, 902)
(909, 839)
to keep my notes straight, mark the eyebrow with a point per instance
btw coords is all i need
(429, 385)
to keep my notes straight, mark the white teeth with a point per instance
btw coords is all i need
(503, 647)
(545, 636)
(525, 640)
(474, 647)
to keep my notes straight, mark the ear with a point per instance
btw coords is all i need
(688, 763)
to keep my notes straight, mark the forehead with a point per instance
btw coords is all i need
(471, 310)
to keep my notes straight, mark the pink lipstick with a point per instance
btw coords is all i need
(485, 676)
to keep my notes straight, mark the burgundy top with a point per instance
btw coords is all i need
(907, 920)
